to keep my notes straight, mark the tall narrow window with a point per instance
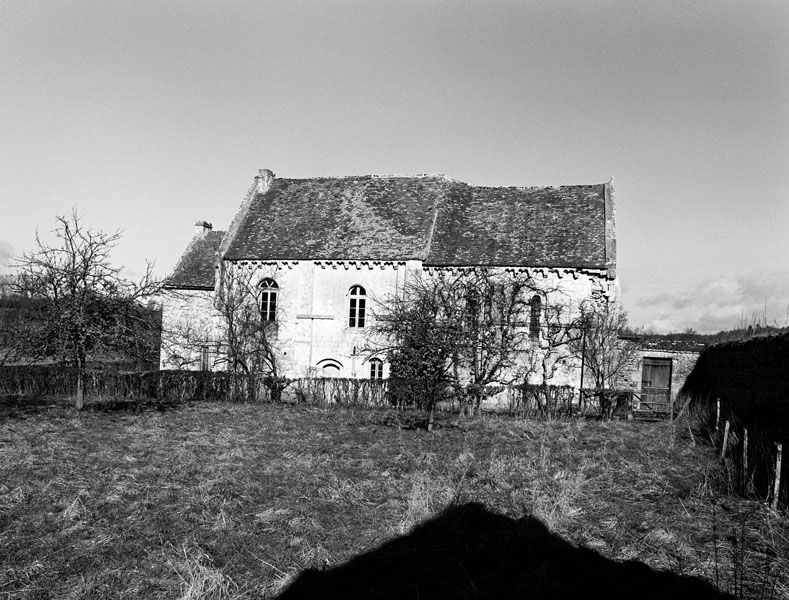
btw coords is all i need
(534, 320)
(357, 306)
(204, 358)
(376, 368)
(268, 299)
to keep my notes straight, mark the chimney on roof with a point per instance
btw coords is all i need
(202, 228)
(263, 181)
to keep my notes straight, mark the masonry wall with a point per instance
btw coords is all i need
(189, 323)
(313, 310)
(569, 289)
(314, 335)
(682, 363)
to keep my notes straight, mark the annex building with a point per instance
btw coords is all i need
(320, 252)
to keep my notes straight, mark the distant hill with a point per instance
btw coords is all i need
(692, 341)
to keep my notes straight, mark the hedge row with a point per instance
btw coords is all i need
(185, 385)
(520, 401)
(749, 380)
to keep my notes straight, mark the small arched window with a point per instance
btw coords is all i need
(376, 368)
(329, 367)
(357, 306)
(268, 299)
(534, 320)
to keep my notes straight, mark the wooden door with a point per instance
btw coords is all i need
(656, 384)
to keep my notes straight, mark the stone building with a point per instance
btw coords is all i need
(659, 371)
(321, 252)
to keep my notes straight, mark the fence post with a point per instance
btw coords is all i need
(745, 458)
(718, 415)
(725, 439)
(777, 488)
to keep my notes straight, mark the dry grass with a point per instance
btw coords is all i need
(231, 501)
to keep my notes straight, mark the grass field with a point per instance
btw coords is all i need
(233, 500)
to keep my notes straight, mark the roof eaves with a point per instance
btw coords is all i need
(180, 286)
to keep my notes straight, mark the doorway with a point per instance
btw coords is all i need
(656, 384)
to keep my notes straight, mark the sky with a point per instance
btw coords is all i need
(148, 116)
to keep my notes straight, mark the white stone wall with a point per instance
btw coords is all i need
(682, 363)
(313, 309)
(569, 289)
(189, 323)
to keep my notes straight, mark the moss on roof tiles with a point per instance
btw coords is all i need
(430, 218)
(549, 226)
(195, 269)
(390, 218)
(351, 218)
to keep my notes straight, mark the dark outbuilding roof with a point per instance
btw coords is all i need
(195, 270)
(669, 343)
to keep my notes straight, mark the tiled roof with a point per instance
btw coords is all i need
(667, 343)
(353, 218)
(423, 217)
(549, 226)
(195, 269)
(430, 218)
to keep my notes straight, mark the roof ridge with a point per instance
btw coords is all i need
(432, 230)
(425, 175)
(533, 187)
(372, 176)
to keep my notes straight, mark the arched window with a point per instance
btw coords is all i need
(268, 299)
(357, 306)
(376, 368)
(534, 320)
(329, 367)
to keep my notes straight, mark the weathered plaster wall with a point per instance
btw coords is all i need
(568, 289)
(571, 290)
(313, 307)
(682, 363)
(189, 321)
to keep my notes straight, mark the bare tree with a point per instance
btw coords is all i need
(495, 316)
(417, 330)
(78, 304)
(560, 327)
(248, 310)
(471, 329)
(604, 353)
(238, 330)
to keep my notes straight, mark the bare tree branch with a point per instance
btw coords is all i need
(474, 330)
(604, 353)
(78, 304)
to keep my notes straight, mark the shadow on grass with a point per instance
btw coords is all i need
(22, 407)
(13, 406)
(470, 552)
(134, 406)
